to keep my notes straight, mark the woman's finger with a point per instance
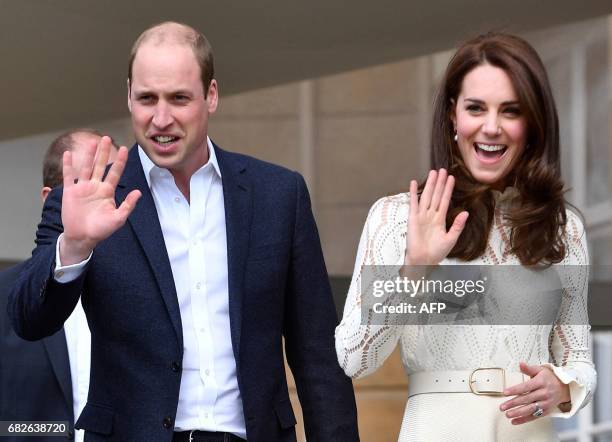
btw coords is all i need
(439, 189)
(446, 196)
(525, 413)
(425, 200)
(457, 227)
(414, 199)
(524, 399)
(530, 385)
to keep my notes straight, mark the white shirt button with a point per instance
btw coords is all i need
(198, 286)
(207, 372)
(177, 200)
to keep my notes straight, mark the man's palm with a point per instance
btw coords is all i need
(89, 212)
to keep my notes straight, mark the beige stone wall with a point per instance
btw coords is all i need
(368, 138)
(262, 123)
(372, 136)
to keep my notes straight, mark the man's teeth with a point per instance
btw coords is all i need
(490, 147)
(164, 139)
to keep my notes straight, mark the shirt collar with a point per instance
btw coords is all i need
(149, 166)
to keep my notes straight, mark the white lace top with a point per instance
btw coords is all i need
(563, 348)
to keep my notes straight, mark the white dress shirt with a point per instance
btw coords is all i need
(195, 238)
(78, 340)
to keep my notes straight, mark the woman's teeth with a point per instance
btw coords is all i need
(490, 151)
(491, 147)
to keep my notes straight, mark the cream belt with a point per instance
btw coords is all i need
(489, 381)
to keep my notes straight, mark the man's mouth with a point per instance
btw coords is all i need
(490, 151)
(164, 140)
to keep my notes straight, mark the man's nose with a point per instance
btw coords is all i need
(162, 117)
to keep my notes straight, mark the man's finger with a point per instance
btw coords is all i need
(87, 162)
(128, 205)
(67, 169)
(116, 170)
(101, 159)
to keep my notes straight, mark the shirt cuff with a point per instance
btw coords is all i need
(578, 392)
(65, 274)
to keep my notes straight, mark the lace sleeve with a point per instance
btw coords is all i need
(570, 341)
(363, 347)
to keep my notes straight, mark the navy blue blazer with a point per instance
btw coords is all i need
(278, 287)
(35, 380)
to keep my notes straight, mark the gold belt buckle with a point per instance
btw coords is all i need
(488, 392)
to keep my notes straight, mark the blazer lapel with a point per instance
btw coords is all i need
(238, 200)
(57, 351)
(146, 227)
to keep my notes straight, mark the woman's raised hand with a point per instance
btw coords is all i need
(428, 242)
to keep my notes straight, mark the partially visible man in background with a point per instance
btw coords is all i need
(47, 380)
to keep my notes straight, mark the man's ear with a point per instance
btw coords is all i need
(212, 96)
(128, 97)
(44, 193)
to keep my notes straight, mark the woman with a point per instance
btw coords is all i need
(495, 131)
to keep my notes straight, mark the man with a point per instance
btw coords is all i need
(188, 301)
(48, 379)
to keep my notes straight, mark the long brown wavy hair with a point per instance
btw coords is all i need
(537, 222)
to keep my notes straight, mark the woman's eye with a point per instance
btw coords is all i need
(513, 111)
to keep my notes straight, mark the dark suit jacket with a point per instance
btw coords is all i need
(278, 286)
(34, 376)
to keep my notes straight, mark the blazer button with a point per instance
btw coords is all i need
(167, 422)
(70, 435)
(176, 366)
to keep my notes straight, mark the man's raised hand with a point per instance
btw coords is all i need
(89, 212)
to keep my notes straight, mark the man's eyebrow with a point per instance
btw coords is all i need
(142, 92)
(181, 92)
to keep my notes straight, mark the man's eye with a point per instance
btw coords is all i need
(145, 98)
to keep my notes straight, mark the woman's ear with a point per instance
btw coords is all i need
(453, 113)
